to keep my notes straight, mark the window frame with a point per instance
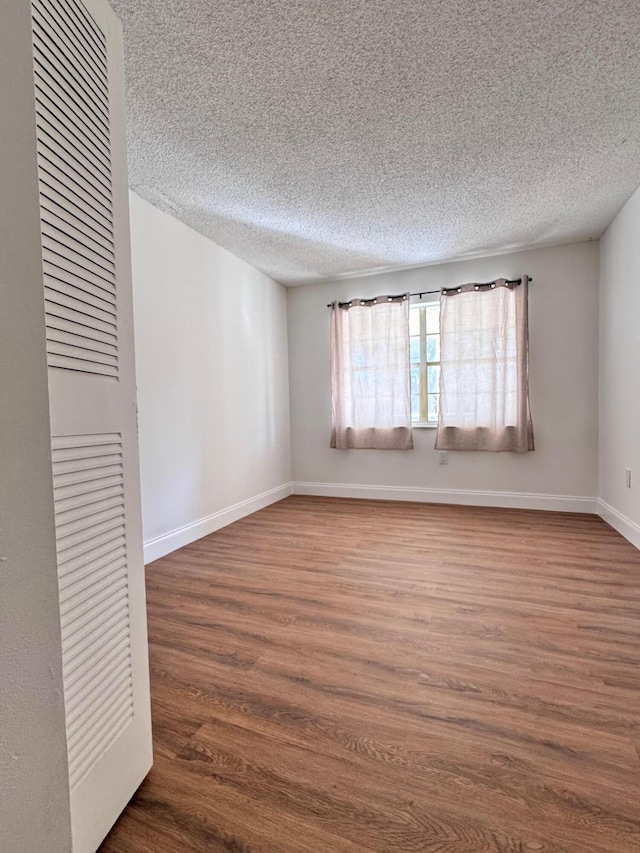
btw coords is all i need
(420, 306)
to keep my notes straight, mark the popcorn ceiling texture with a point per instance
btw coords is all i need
(317, 138)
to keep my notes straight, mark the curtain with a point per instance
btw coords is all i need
(370, 379)
(484, 368)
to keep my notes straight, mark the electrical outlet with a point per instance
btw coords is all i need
(627, 477)
(444, 457)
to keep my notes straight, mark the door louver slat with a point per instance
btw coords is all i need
(57, 139)
(77, 491)
(76, 219)
(112, 686)
(85, 21)
(105, 733)
(94, 598)
(74, 109)
(58, 255)
(85, 661)
(86, 561)
(87, 317)
(63, 73)
(101, 445)
(51, 187)
(84, 503)
(72, 180)
(113, 674)
(68, 33)
(79, 357)
(60, 297)
(93, 507)
(111, 555)
(88, 470)
(92, 253)
(84, 546)
(76, 525)
(95, 653)
(97, 575)
(114, 589)
(96, 346)
(73, 544)
(76, 210)
(54, 119)
(99, 630)
(79, 366)
(53, 53)
(78, 231)
(90, 33)
(64, 281)
(79, 166)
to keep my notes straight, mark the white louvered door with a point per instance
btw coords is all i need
(77, 51)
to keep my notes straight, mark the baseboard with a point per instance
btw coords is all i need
(629, 529)
(168, 542)
(467, 497)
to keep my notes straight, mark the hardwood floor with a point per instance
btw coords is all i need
(342, 676)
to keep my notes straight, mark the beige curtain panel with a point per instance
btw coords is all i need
(484, 368)
(370, 381)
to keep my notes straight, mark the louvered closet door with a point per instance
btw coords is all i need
(77, 51)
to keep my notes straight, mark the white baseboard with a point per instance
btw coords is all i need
(168, 542)
(629, 529)
(467, 497)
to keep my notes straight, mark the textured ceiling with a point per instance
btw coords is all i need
(317, 138)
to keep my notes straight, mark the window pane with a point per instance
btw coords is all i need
(433, 347)
(433, 401)
(415, 349)
(415, 380)
(414, 321)
(415, 408)
(433, 319)
(433, 380)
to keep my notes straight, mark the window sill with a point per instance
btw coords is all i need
(424, 426)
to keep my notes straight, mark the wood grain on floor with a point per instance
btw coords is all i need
(343, 676)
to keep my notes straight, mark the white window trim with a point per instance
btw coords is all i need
(427, 299)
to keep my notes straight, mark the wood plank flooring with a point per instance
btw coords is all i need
(343, 676)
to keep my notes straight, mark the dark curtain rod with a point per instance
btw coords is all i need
(440, 290)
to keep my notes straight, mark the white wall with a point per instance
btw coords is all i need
(563, 309)
(34, 792)
(213, 397)
(620, 370)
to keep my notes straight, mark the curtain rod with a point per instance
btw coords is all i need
(442, 290)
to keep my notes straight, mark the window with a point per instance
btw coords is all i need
(467, 370)
(424, 331)
(484, 367)
(370, 400)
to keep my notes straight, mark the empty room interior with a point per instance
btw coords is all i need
(320, 426)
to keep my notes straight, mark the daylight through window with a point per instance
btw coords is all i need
(424, 331)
